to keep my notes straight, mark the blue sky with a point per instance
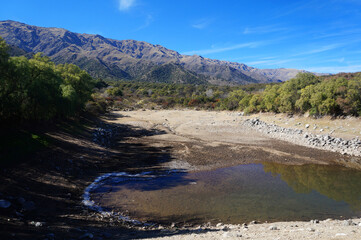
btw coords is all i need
(318, 35)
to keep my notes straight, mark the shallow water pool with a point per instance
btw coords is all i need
(263, 192)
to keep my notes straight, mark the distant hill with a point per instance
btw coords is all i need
(133, 60)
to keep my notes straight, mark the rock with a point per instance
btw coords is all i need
(311, 229)
(28, 206)
(359, 224)
(253, 222)
(307, 125)
(219, 225)
(76, 230)
(19, 214)
(21, 200)
(86, 235)
(347, 223)
(107, 235)
(50, 236)
(315, 221)
(4, 203)
(231, 235)
(340, 234)
(225, 228)
(272, 228)
(36, 224)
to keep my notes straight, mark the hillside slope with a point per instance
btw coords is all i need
(130, 59)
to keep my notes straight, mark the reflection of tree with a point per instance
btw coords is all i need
(336, 182)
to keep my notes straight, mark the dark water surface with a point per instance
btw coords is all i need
(263, 192)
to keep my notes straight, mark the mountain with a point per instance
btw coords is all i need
(133, 60)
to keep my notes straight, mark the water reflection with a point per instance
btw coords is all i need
(336, 182)
(265, 192)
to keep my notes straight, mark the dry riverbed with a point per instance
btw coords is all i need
(201, 140)
(154, 140)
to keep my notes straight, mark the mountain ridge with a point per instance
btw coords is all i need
(132, 60)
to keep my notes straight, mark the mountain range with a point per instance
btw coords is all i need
(111, 59)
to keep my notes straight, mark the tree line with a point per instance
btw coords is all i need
(318, 95)
(37, 89)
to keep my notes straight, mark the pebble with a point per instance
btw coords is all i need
(347, 223)
(36, 224)
(340, 234)
(21, 200)
(225, 228)
(50, 235)
(311, 229)
(4, 203)
(107, 235)
(28, 206)
(231, 235)
(272, 228)
(86, 235)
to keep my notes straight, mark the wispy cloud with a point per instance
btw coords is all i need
(126, 4)
(224, 49)
(297, 6)
(148, 21)
(272, 62)
(319, 50)
(202, 23)
(330, 69)
(263, 29)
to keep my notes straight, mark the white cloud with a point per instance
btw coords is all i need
(224, 49)
(202, 23)
(263, 29)
(272, 62)
(319, 50)
(125, 4)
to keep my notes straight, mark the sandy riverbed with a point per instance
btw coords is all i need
(200, 140)
(204, 140)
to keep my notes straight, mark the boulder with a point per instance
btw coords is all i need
(4, 203)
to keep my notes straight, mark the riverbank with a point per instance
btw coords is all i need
(320, 230)
(46, 192)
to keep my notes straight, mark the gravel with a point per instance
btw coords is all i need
(325, 142)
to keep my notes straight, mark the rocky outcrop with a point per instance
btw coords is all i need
(325, 142)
